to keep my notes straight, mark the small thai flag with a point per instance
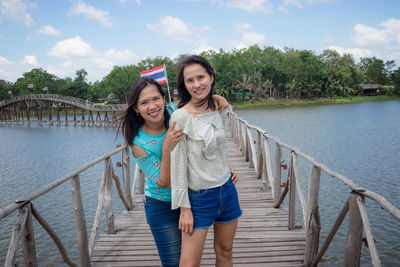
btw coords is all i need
(175, 91)
(45, 88)
(159, 74)
(29, 85)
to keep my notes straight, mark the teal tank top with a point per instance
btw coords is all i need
(151, 163)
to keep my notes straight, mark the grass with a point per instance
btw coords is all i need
(312, 102)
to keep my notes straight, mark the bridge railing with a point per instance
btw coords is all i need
(23, 109)
(23, 229)
(84, 104)
(268, 168)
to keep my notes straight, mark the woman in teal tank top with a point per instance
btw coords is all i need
(145, 127)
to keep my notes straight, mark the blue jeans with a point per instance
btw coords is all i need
(163, 223)
(215, 205)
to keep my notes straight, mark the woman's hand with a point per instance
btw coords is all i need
(186, 220)
(235, 177)
(172, 137)
(220, 102)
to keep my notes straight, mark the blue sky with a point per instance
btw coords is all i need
(62, 36)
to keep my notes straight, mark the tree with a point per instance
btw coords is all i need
(375, 70)
(396, 81)
(38, 78)
(78, 87)
(120, 80)
(5, 86)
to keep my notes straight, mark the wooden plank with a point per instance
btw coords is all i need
(262, 237)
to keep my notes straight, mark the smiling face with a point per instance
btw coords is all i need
(151, 104)
(197, 82)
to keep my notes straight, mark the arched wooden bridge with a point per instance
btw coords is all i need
(56, 110)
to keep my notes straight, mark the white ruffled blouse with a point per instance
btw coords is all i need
(199, 160)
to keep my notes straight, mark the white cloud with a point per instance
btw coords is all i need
(252, 6)
(48, 30)
(248, 39)
(204, 48)
(388, 35)
(242, 26)
(76, 54)
(72, 47)
(31, 60)
(179, 30)
(92, 13)
(382, 42)
(356, 52)
(16, 10)
(70, 55)
(12, 70)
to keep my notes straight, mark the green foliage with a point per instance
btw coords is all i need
(39, 79)
(251, 74)
(396, 81)
(4, 88)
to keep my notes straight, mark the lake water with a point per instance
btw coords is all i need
(360, 141)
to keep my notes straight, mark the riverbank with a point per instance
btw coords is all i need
(312, 102)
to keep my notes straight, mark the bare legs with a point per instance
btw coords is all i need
(193, 245)
(224, 234)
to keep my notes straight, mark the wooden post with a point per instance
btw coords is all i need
(260, 153)
(352, 251)
(28, 240)
(15, 238)
(267, 172)
(66, 114)
(368, 232)
(82, 239)
(299, 188)
(235, 130)
(331, 234)
(313, 219)
(292, 195)
(252, 154)
(240, 135)
(50, 121)
(245, 142)
(127, 176)
(53, 236)
(108, 198)
(277, 174)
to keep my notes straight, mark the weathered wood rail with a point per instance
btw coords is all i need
(267, 233)
(23, 228)
(52, 109)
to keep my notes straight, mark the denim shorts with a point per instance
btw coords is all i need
(163, 223)
(214, 205)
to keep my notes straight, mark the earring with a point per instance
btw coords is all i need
(137, 113)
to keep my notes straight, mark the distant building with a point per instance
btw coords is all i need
(371, 88)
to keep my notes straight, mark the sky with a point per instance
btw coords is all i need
(63, 36)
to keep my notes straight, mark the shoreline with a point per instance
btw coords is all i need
(278, 103)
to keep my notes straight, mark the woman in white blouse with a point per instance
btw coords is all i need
(201, 181)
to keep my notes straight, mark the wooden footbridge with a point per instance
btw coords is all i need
(52, 109)
(269, 234)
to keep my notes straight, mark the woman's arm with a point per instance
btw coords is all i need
(172, 137)
(220, 102)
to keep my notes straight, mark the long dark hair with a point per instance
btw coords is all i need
(183, 92)
(130, 120)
